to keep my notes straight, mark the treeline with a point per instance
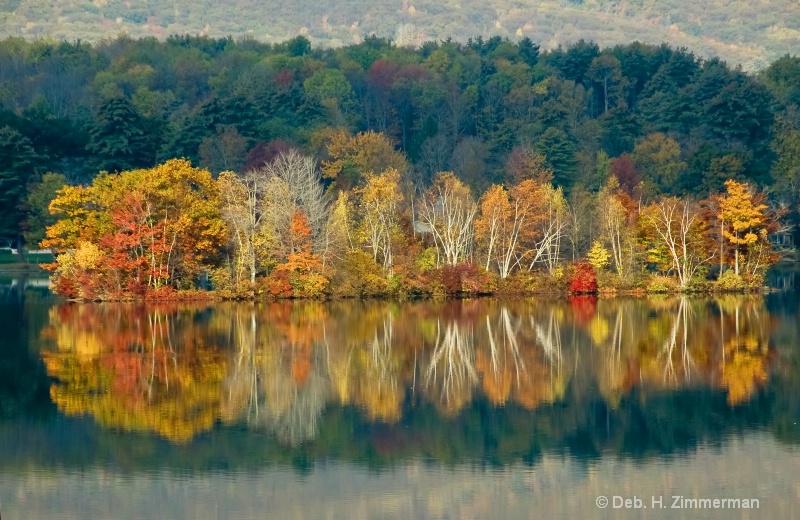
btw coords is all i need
(275, 231)
(511, 124)
(751, 33)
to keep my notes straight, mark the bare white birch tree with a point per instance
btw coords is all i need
(448, 211)
(678, 227)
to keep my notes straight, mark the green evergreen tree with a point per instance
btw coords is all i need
(18, 162)
(117, 140)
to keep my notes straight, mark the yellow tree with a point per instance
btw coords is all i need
(744, 217)
(354, 156)
(242, 207)
(379, 210)
(158, 226)
(491, 227)
(81, 216)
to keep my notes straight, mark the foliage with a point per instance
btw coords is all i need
(142, 229)
(730, 281)
(187, 373)
(530, 134)
(661, 284)
(598, 256)
(582, 278)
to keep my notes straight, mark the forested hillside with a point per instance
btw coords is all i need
(751, 33)
(596, 144)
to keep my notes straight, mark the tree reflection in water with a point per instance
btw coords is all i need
(450, 375)
(176, 370)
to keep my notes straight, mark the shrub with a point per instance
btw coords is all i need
(662, 284)
(729, 281)
(582, 278)
(277, 284)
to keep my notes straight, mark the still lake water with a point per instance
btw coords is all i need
(471, 409)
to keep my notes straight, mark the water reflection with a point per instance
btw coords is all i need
(177, 370)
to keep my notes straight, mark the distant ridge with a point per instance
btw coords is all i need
(750, 33)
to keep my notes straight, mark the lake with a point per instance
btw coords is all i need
(485, 408)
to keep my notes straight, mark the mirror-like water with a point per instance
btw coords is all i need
(456, 409)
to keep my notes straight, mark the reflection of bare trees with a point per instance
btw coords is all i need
(292, 411)
(262, 387)
(383, 399)
(277, 366)
(503, 347)
(667, 353)
(678, 342)
(525, 358)
(366, 371)
(451, 371)
(241, 388)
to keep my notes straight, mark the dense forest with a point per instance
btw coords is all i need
(750, 33)
(374, 168)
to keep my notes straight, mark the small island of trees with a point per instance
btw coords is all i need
(242, 170)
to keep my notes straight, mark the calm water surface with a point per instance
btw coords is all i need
(423, 410)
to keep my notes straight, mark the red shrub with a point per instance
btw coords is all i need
(582, 278)
(464, 278)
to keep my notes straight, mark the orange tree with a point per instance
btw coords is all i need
(145, 229)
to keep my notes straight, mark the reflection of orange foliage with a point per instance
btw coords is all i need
(157, 368)
(133, 367)
(495, 381)
(541, 383)
(301, 367)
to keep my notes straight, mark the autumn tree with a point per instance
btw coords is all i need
(447, 211)
(378, 203)
(551, 229)
(506, 223)
(295, 183)
(745, 219)
(353, 156)
(243, 209)
(157, 227)
(615, 221)
(677, 226)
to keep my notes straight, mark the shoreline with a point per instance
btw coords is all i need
(603, 294)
